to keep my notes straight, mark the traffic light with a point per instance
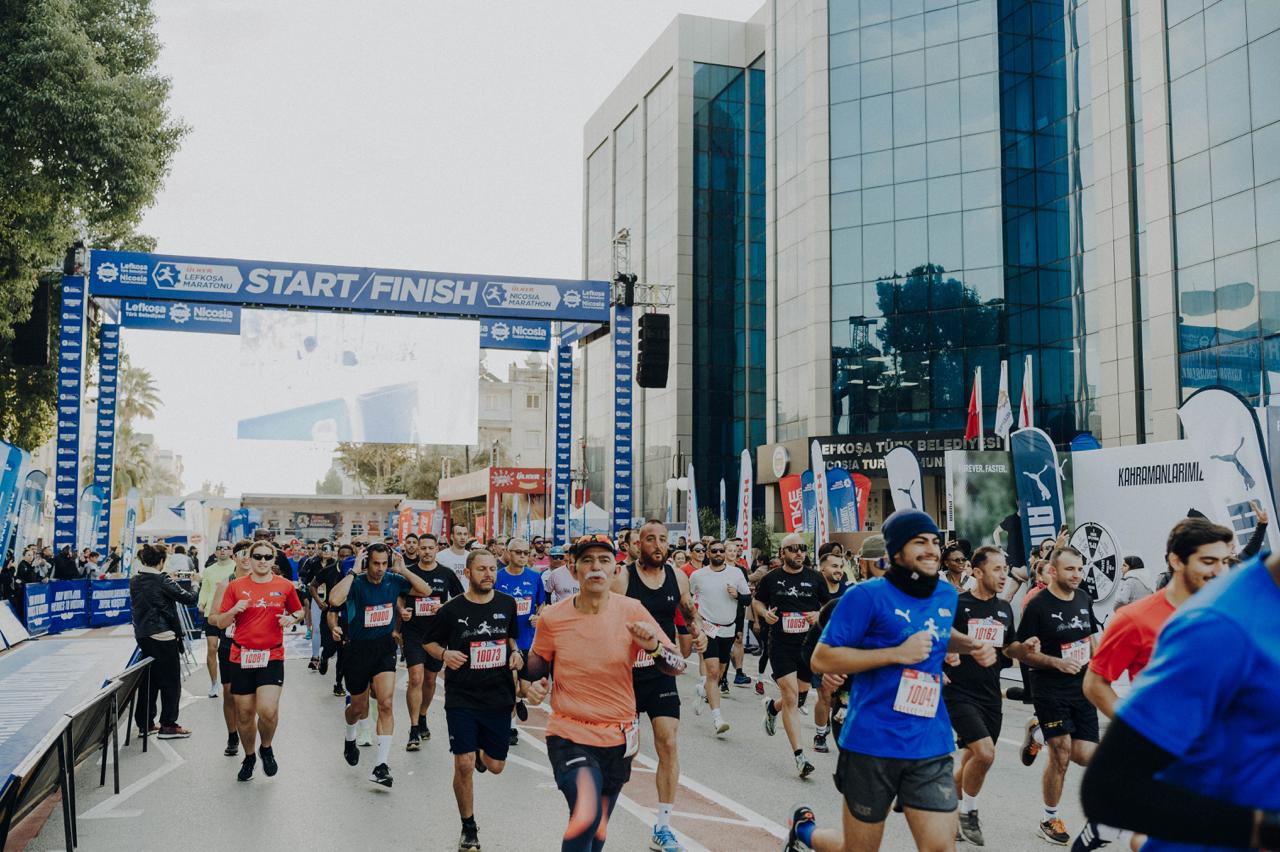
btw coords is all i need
(654, 351)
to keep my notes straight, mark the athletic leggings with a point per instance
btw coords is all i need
(589, 811)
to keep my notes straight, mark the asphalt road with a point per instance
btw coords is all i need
(735, 794)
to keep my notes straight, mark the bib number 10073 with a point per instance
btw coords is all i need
(918, 693)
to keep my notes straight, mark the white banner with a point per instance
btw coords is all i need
(1225, 431)
(695, 533)
(745, 489)
(822, 531)
(905, 480)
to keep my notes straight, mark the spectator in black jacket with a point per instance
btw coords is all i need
(65, 566)
(157, 628)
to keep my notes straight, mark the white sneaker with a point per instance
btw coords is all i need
(804, 710)
(213, 690)
(700, 698)
(721, 726)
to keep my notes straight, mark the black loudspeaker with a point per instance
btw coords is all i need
(655, 350)
(31, 339)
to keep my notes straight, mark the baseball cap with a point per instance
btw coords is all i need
(872, 547)
(588, 541)
(556, 551)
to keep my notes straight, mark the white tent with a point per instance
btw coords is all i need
(163, 524)
(597, 520)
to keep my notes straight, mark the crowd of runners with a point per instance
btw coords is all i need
(900, 651)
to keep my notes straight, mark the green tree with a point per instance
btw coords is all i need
(136, 395)
(372, 465)
(331, 484)
(85, 143)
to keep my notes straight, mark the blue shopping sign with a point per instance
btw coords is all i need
(138, 275)
(526, 335)
(180, 316)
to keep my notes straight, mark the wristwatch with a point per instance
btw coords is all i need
(657, 649)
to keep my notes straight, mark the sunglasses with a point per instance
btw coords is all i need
(262, 557)
(698, 550)
(797, 548)
(717, 550)
(518, 552)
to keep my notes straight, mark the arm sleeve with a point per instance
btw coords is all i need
(1255, 542)
(850, 619)
(1120, 789)
(178, 593)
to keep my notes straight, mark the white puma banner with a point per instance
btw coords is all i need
(903, 468)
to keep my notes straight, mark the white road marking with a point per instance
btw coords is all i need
(748, 815)
(107, 809)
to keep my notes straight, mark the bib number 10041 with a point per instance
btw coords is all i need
(918, 693)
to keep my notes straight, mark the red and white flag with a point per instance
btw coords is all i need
(973, 425)
(1025, 418)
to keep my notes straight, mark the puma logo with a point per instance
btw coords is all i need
(906, 614)
(1056, 615)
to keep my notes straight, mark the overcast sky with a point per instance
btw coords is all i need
(442, 136)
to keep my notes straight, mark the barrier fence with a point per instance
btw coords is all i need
(72, 604)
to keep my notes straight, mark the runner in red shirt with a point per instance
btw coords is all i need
(1197, 551)
(260, 606)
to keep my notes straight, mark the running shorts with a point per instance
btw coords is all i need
(1067, 716)
(226, 668)
(567, 757)
(789, 658)
(657, 695)
(215, 632)
(870, 784)
(487, 729)
(246, 681)
(364, 660)
(720, 648)
(415, 653)
(973, 721)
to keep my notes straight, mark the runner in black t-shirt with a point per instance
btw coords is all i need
(788, 600)
(416, 615)
(474, 635)
(1061, 618)
(972, 692)
(323, 581)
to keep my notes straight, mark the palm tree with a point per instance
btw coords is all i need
(133, 462)
(138, 395)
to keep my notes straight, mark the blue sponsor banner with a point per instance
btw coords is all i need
(94, 514)
(623, 365)
(104, 440)
(35, 607)
(30, 510)
(843, 498)
(180, 316)
(137, 275)
(66, 477)
(1035, 468)
(572, 332)
(15, 462)
(561, 480)
(810, 497)
(524, 335)
(68, 605)
(129, 539)
(109, 603)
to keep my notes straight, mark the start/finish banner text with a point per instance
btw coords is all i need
(137, 275)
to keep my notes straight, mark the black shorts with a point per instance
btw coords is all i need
(973, 721)
(720, 648)
(415, 653)
(682, 630)
(657, 695)
(363, 660)
(246, 681)
(789, 658)
(488, 730)
(567, 757)
(213, 632)
(1072, 716)
(226, 668)
(870, 784)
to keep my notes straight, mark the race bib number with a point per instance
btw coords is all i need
(377, 616)
(918, 694)
(631, 737)
(254, 659)
(488, 654)
(987, 631)
(523, 606)
(643, 660)
(715, 631)
(794, 622)
(1078, 652)
(425, 606)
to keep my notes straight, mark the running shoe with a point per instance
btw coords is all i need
(759, 687)
(971, 829)
(324, 665)
(724, 689)
(469, 841)
(213, 690)
(1030, 748)
(314, 665)
(246, 768)
(700, 698)
(515, 738)
(804, 710)
(351, 752)
(770, 718)
(820, 744)
(381, 775)
(721, 726)
(741, 679)
(1088, 840)
(309, 637)
(423, 730)
(233, 745)
(338, 691)
(173, 732)
(269, 765)
(803, 766)
(801, 815)
(155, 729)
(415, 742)
(1054, 831)
(664, 840)
(480, 767)
(522, 712)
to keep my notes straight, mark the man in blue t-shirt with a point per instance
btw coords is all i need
(1190, 759)
(519, 581)
(368, 596)
(891, 635)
